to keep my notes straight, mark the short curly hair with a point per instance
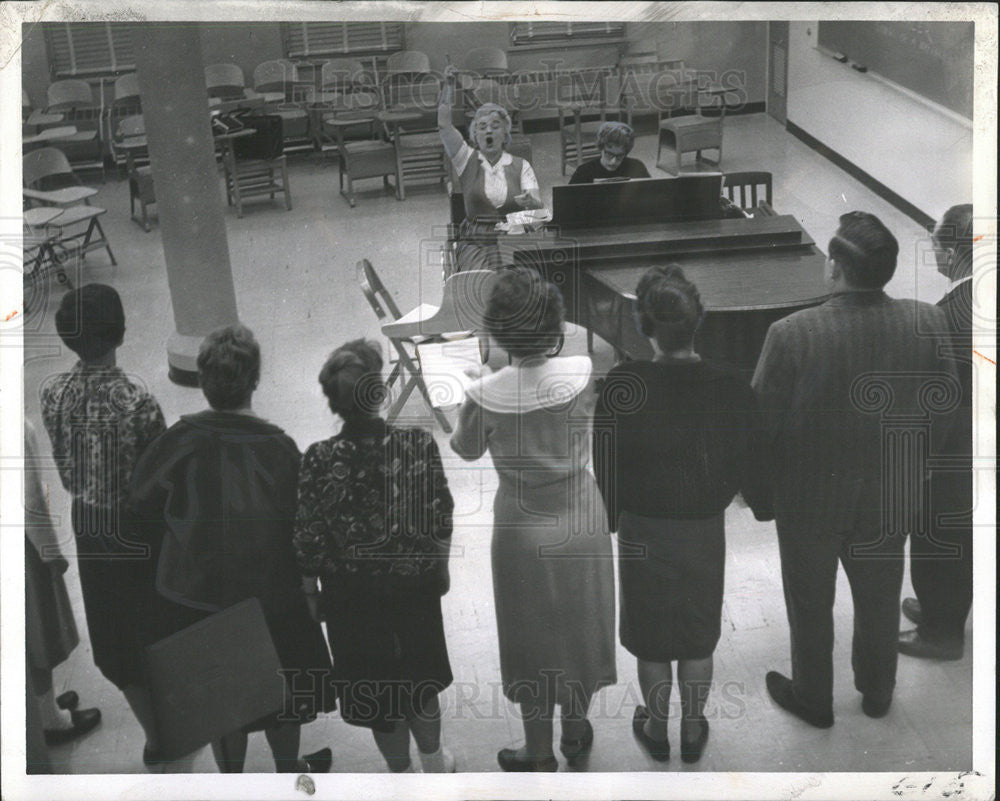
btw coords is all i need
(492, 108)
(229, 367)
(524, 313)
(668, 307)
(352, 379)
(616, 133)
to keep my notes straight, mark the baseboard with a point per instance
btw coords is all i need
(643, 123)
(923, 219)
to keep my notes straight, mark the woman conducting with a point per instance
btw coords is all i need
(220, 485)
(494, 183)
(374, 527)
(675, 439)
(553, 581)
(615, 141)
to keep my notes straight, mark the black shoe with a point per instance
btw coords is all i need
(657, 749)
(691, 752)
(151, 758)
(912, 611)
(781, 690)
(512, 763)
(912, 644)
(875, 708)
(319, 762)
(84, 720)
(68, 700)
(575, 750)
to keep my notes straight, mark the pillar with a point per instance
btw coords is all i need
(189, 203)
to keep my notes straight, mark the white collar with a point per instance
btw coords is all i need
(504, 160)
(955, 284)
(516, 390)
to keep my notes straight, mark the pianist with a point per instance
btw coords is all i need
(614, 141)
(494, 183)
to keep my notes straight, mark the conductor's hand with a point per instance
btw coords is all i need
(450, 74)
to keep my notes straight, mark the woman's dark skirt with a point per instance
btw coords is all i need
(389, 652)
(672, 574)
(119, 600)
(477, 247)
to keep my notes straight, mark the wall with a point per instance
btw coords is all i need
(715, 46)
(245, 44)
(920, 153)
(34, 65)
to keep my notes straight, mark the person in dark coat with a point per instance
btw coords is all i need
(834, 382)
(615, 141)
(218, 488)
(941, 564)
(373, 526)
(675, 439)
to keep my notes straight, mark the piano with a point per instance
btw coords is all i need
(750, 271)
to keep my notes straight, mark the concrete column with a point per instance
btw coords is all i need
(189, 200)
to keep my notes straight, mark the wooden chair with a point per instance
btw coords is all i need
(411, 88)
(695, 132)
(486, 62)
(585, 93)
(48, 167)
(285, 95)
(371, 157)
(339, 79)
(138, 171)
(74, 101)
(255, 165)
(225, 81)
(461, 313)
(126, 103)
(743, 189)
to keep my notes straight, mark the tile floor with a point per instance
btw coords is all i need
(294, 277)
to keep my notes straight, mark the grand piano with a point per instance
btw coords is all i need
(750, 270)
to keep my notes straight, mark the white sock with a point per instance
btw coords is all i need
(440, 761)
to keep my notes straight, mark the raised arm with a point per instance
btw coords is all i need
(450, 137)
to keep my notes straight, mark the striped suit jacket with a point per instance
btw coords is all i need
(856, 394)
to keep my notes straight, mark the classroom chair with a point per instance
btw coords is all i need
(49, 181)
(285, 95)
(749, 190)
(693, 133)
(585, 93)
(74, 100)
(370, 157)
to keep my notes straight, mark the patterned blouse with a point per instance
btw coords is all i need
(99, 422)
(374, 502)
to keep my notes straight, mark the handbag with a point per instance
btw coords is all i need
(213, 678)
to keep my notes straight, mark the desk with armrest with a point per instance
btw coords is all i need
(750, 271)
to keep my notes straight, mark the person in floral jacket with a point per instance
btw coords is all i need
(373, 529)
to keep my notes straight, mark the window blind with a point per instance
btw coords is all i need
(308, 39)
(89, 48)
(525, 33)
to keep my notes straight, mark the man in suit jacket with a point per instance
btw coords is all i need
(849, 389)
(941, 565)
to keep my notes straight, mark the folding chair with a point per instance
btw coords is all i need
(462, 309)
(43, 253)
(48, 166)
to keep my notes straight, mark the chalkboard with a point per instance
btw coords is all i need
(933, 59)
